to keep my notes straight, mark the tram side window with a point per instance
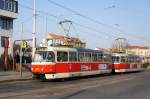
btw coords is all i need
(62, 56)
(135, 59)
(138, 60)
(132, 59)
(100, 57)
(94, 57)
(128, 59)
(72, 56)
(80, 57)
(87, 57)
(107, 58)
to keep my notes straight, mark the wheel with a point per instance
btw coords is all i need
(35, 76)
(113, 71)
(43, 78)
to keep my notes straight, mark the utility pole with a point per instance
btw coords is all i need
(46, 23)
(21, 50)
(34, 29)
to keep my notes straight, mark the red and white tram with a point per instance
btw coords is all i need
(126, 62)
(64, 62)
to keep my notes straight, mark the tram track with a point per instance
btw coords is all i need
(53, 88)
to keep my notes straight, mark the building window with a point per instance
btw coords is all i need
(2, 4)
(7, 24)
(9, 5)
(15, 5)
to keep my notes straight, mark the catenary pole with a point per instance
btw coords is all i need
(21, 50)
(34, 29)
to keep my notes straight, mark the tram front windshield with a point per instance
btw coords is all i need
(44, 56)
(115, 59)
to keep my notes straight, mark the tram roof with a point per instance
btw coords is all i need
(124, 54)
(58, 48)
(73, 49)
(119, 54)
(88, 50)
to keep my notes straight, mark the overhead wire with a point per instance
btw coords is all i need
(93, 20)
(57, 17)
(83, 26)
(84, 16)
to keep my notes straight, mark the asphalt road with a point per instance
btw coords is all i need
(120, 86)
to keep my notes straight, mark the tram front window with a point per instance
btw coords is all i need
(123, 59)
(115, 59)
(43, 56)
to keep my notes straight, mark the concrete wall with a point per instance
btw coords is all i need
(7, 33)
(9, 14)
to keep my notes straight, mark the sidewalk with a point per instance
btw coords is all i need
(14, 76)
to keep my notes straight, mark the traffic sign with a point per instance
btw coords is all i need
(24, 44)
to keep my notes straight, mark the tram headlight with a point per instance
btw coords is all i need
(32, 69)
(42, 69)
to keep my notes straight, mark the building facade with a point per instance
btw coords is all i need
(142, 51)
(8, 12)
(139, 50)
(60, 40)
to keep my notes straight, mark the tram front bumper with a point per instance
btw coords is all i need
(57, 75)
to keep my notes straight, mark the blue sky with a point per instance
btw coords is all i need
(127, 18)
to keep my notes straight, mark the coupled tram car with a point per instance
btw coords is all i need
(64, 62)
(126, 62)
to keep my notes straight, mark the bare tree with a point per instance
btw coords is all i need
(119, 45)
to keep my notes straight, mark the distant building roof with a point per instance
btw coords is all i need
(138, 47)
(55, 36)
(107, 49)
(66, 40)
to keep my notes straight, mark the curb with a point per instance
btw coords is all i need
(12, 80)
